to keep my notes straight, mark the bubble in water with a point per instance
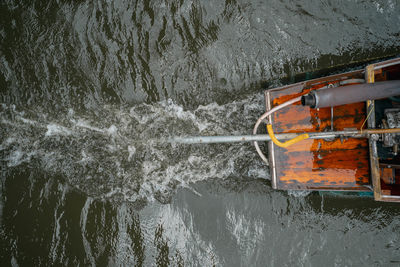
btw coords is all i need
(121, 152)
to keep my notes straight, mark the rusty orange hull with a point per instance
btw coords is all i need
(335, 165)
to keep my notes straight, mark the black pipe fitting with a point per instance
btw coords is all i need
(336, 96)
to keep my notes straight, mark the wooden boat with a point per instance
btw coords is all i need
(342, 132)
(353, 159)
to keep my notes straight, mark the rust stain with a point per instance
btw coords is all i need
(320, 164)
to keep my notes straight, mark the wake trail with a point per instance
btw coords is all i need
(120, 152)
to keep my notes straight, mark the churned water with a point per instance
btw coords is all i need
(91, 91)
(123, 153)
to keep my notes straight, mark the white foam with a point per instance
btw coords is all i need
(123, 157)
(31, 122)
(85, 158)
(260, 172)
(298, 193)
(85, 125)
(54, 129)
(16, 157)
(132, 151)
(112, 130)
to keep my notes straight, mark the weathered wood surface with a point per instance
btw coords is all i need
(319, 164)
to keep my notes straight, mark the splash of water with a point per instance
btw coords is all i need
(119, 151)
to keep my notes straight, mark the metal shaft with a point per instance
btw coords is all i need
(283, 136)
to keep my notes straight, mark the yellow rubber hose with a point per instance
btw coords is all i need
(288, 142)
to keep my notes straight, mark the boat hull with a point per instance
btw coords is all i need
(338, 164)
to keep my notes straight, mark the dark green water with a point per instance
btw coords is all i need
(89, 87)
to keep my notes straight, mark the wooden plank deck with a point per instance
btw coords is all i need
(319, 164)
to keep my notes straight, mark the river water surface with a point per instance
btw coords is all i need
(89, 91)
